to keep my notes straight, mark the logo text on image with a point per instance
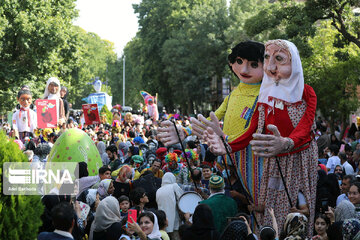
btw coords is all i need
(40, 178)
(37, 176)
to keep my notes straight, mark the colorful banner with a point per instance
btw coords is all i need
(46, 113)
(91, 114)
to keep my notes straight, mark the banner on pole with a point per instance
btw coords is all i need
(91, 114)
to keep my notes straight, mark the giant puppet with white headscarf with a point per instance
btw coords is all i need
(284, 136)
(52, 91)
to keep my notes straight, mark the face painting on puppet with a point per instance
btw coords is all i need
(277, 62)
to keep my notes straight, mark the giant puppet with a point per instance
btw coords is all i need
(24, 119)
(100, 98)
(284, 135)
(151, 105)
(239, 113)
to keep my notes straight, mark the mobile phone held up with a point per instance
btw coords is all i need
(133, 214)
(324, 205)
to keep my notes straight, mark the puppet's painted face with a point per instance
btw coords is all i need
(277, 62)
(25, 100)
(248, 71)
(53, 88)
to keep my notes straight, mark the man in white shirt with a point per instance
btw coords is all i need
(333, 160)
(347, 168)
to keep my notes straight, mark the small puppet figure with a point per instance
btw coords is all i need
(24, 120)
(153, 110)
(52, 91)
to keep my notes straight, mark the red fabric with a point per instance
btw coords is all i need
(301, 134)
(243, 141)
(28, 114)
(161, 152)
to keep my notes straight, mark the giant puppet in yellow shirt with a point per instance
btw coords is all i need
(240, 114)
(239, 111)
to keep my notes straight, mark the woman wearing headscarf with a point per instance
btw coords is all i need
(202, 228)
(351, 229)
(106, 225)
(237, 230)
(102, 150)
(106, 188)
(295, 227)
(147, 227)
(166, 198)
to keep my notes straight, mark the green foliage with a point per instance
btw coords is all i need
(334, 80)
(239, 12)
(198, 52)
(19, 215)
(297, 21)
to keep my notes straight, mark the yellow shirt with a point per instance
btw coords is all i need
(237, 111)
(159, 174)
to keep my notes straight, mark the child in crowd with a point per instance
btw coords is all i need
(163, 222)
(124, 206)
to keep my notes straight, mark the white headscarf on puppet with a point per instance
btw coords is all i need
(56, 96)
(49, 95)
(288, 90)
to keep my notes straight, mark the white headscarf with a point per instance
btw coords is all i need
(107, 213)
(46, 92)
(289, 90)
(155, 234)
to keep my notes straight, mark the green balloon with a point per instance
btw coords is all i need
(75, 145)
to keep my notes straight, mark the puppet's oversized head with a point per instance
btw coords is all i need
(246, 61)
(277, 64)
(283, 79)
(24, 98)
(52, 89)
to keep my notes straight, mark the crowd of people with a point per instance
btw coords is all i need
(140, 174)
(160, 181)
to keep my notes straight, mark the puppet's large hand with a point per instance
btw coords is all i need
(201, 124)
(214, 142)
(167, 133)
(267, 145)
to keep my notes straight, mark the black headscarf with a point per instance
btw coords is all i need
(236, 230)
(203, 226)
(83, 171)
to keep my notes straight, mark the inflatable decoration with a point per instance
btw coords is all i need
(75, 145)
